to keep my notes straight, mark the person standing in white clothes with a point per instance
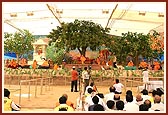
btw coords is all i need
(118, 86)
(85, 77)
(145, 78)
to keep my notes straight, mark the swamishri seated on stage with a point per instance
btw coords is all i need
(143, 65)
(156, 65)
(45, 65)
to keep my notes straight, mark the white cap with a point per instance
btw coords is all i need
(73, 67)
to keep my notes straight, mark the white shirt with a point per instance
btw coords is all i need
(131, 106)
(85, 75)
(145, 76)
(159, 106)
(86, 91)
(109, 96)
(118, 87)
(89, 102)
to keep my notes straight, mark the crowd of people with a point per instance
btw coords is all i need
(92, 100)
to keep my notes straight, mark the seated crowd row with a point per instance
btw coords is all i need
(93, 101)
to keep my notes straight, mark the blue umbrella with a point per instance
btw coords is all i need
(9, 57)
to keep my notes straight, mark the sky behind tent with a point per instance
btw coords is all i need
(123, 19)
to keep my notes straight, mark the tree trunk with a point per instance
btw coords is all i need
(17, 57)
(83, 51)
(136, 61)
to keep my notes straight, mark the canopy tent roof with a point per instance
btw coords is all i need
(121, 17)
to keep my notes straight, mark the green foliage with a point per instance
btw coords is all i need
(19, 42)
(55, 54)
(131, 44)
(80, 35)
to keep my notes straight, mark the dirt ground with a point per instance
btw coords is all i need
(50, 95)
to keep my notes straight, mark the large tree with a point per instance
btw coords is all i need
(80, 35)
(131, 44)
(19, 42)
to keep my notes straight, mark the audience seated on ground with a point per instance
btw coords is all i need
(154, 92)
(95, 100)
(110, 95)
(9, 104)
(129, 92)
(98, 107)
(90, 86)
(139, 100)
(69, 103)
(145, 95)
(143, 107)
(130, 106)
(88, 99)
(63, 105)
(120, 105)
(148, 103)
(110, 105)
(116, 98)
(158, 105)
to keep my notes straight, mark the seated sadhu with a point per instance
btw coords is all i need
(45, 63)
(130, 63)
(156, 65)
(7, 62)
(83, 59)
(34, 65)
(13, 64)
(98, 61)
(55, 67)
(143, 65)
(23, 63)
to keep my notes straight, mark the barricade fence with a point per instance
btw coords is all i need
(46, 78)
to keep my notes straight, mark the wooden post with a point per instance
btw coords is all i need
(65, 80)
(36, 88)
(20, 93)
(49, 83)
(29, 91)
(41, 86)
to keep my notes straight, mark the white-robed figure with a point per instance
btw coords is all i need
(85, 78)
(145, 75)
